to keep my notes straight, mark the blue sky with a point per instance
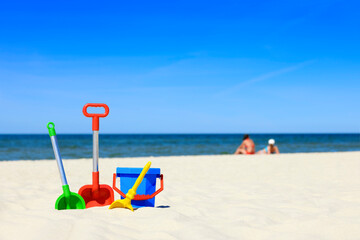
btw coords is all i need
(181, 66)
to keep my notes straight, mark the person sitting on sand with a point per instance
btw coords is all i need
(270, 149)
(247, 146)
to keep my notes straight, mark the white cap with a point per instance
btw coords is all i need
(271, 141)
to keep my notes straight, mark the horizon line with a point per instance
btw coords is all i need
(255, 133)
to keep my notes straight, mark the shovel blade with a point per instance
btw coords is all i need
(102, 197)
(124, 203)
(73, 201)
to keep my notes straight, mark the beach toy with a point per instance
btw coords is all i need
(96, 194)
(126, 203)
(146, 190)
(68, 200)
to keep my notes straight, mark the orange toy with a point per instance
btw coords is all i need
(96, 194)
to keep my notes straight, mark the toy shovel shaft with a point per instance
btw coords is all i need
(141, 176)
(54, 142)
(95, 174)
(95, 182)
(95, 127)
(96, 151)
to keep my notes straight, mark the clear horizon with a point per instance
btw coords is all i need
(254, 133)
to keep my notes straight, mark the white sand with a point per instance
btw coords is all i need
(288, 196)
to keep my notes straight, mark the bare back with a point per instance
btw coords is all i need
(249, 145)
(246, 147)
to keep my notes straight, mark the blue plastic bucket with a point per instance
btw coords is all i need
(128, 177)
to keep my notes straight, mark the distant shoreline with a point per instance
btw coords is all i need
(332, 133)
(38, 146)
(180, 156)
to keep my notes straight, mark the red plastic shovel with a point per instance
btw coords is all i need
(95, 194)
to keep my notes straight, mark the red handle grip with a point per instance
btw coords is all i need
(95, 116)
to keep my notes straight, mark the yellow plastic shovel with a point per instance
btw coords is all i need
(126, 203)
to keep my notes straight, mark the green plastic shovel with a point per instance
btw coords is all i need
(68, 200)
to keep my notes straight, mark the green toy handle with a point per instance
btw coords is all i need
(51, 128)
(55, 145)
(66, 190)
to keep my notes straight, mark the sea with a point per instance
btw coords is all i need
(38, 146)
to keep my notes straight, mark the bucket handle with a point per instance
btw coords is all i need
(138, 196)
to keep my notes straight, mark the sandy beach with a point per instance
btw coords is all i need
(286, 196)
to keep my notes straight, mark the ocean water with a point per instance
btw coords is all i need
(37, 146)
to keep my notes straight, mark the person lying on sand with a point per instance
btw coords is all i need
(247, 146)
(270, 149)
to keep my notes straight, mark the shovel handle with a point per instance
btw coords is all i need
(55, 145)
(95, 116)
(141, 176)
